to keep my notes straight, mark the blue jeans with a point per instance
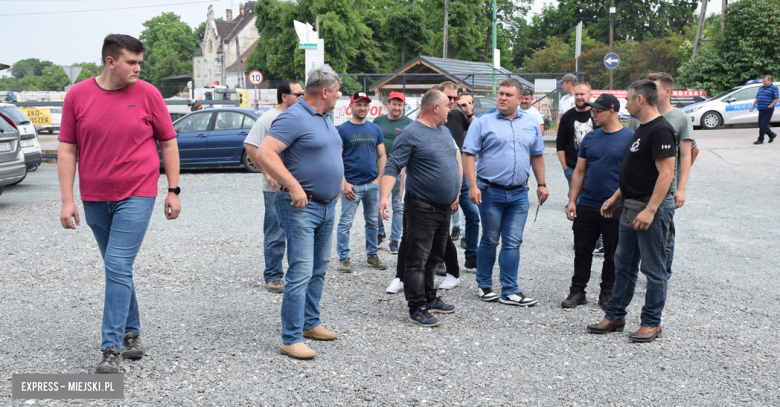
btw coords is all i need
(309, 233)
(568, 173)
(503, 213)
(650, 246)
(119, 228)
(398, 214)
(456, 219)
(471, 214)
(764, 117)
(273, 240)
(369, 195)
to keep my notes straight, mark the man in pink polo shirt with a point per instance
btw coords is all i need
(112, 123)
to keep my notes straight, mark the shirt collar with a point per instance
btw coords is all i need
(520, 113)
(310, 109)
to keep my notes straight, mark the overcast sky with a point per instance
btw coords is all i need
(53, 30)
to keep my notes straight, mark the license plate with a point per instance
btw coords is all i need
(5, 147)
(27, 143)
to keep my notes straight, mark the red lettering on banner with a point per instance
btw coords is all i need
(372, 112)
(348, 111)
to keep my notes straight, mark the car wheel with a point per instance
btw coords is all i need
(248, 164)
(711, 120)
(25, 176)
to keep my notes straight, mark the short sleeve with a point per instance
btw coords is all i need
(538, 146)
(776, 92)
(663, 144)
(583, 151)
(473, 142)
(161, 118)
(285, 128)
(380, 137)
(686, 132)
(256, 134)
(68, 122)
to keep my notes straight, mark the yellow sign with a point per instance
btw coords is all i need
(37, 116)
(243, 96)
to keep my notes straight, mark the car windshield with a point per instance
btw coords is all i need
(15, 114)
(725, 93)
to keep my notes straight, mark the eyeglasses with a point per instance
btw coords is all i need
(452, 97)
(594, 112)
(296, 94)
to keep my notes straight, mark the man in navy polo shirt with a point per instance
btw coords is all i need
(766, 99)
(303, 153)
(364, 158)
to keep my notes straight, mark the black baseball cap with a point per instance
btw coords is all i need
(605, 101)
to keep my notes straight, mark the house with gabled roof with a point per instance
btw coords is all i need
(225, 43)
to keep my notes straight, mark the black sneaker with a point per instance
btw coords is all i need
(455, 235)
(439, 307)
(380, 239)
(441, 269)
(574, 299)
(772, 138)
(604, 299)
(517, 299)
(487, 294)
(758, 142)
(470, 263)
(463, 244)
(423, 318)
(131, 346)
(393, 247)
(109, 361)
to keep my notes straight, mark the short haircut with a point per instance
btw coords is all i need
(284, 89)
(509, 82)
(583, 83)
(647, 89)
(447, 85)
(430, 98)
(113, 45)
(768, 77)
(528, 92)
(666, 80)
(322, 77)
(466, 94)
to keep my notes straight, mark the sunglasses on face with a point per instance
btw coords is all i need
(296, 94)
(452, 97)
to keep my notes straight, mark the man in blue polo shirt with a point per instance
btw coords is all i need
(508, 145)
(303, 153)
(766, 99)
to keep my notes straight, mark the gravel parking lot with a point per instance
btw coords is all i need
(212, 332)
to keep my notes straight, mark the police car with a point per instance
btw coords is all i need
(730, 107)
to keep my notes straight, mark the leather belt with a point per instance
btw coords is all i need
(309, 196)
(493, 184)
(646, 199)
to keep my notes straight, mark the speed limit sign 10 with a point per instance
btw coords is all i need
(255, 78)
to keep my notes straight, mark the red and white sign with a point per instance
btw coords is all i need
(255, 78)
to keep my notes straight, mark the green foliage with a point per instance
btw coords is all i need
(748, 48)
(170, 44)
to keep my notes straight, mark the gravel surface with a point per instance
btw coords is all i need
(212, 332)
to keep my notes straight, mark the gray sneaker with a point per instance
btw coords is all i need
(275, 286)
(344, 266)
(373, 261)
(109, 361)
(131, 346)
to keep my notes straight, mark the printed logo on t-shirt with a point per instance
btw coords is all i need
(635, 146)
(131, 106)
(580, 130)
(666, 146)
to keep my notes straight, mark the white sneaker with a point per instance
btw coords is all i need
(395, 286)
(449, 283)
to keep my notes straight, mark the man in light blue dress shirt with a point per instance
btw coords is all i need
(508, 145)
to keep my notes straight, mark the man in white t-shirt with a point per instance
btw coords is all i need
(526, 106)
(287, 94)
(567, 101)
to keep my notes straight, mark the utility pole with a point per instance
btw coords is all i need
(700, 27)
(446, 24)
(494, 48)
(611, 34)
(723, 16)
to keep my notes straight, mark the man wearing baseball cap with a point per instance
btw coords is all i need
(363, 152)
(594, 181)
(391, 124)
(567, 100)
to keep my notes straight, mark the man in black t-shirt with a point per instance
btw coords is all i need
(575, 124)
(646, 174)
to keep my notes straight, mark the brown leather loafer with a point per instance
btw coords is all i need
(607, 326)
(319, 333)
(298, 351)
(646, 334)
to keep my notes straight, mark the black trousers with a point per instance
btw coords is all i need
(425, 232)
(587, 227)
(450, 256)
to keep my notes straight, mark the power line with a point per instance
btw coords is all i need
(109, 9)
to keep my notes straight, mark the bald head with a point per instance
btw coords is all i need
(433, 107)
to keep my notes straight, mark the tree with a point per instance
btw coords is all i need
(170, 44)
(748, 49)
(407, 30)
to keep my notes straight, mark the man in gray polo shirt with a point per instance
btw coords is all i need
(433, 176)
(303, 153)
(287, 94)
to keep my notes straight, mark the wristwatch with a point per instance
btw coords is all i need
(469, 116)
(176, 190)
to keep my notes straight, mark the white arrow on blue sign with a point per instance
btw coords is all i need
(612, 60)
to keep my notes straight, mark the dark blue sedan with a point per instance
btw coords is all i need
(215, 137)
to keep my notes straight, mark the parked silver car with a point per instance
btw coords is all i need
(12, 167)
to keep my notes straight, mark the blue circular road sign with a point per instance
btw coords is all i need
(612, 60)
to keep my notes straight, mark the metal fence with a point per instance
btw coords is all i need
(481, 86)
